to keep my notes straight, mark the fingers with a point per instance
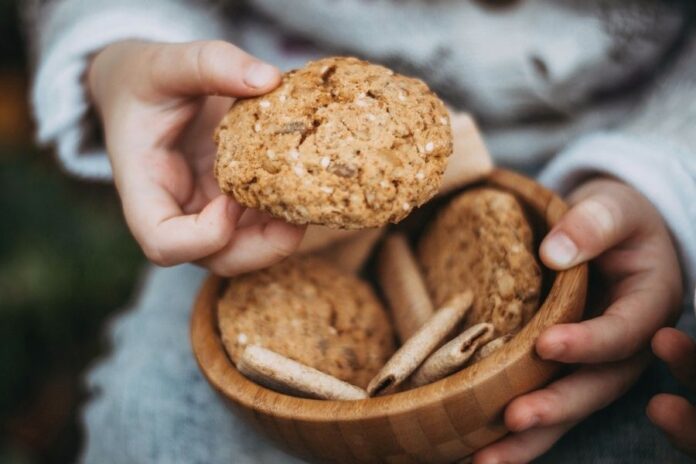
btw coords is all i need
(209, 68)
(254, 247)
(677, 419)
(175, 238)
(602, 218)
(576, 396)
(152, 193)
(521, 447)
(540, 418)
(623, 329)
(679, 352)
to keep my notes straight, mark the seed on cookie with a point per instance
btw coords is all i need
(299, 170)
(361, 100)
(343, 170)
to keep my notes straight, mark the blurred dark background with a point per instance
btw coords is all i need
(67, 263)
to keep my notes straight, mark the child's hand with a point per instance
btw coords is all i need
(625, 235)
(159, 105)
(673, 414)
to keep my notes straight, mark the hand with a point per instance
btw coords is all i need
(674, 414)
(159, 105)
(624, 234)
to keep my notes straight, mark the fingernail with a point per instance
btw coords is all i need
(560, 249)
(260, 74)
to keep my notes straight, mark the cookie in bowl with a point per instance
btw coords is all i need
(481, 240)
(310, 311)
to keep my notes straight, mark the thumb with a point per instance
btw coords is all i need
(602, 218)
(210, 68)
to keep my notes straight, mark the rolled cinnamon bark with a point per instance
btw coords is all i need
(403, 286)
(420, 345)
(488, 349)
(453, 355)
(285, 375)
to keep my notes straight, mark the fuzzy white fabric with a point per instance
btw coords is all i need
(69, 32)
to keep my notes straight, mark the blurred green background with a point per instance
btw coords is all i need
(67, 262)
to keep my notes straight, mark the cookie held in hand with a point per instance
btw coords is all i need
(341, 142)
(309, 311)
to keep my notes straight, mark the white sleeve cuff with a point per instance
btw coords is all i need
(75, 29)
(664, 173)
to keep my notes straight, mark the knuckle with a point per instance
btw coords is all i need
(213, 49)
(219, 237)
(207, 60)
(154, 254)
(549, 406)
(284, 247)
(601, 217)
(206, 53)
(628, 341)
(583, 338)
(280, 250)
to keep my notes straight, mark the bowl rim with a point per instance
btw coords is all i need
(224, 377)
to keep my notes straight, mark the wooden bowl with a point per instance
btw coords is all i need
(436, 423)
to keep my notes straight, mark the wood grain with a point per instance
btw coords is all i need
(436, 423)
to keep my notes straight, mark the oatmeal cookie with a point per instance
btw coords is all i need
(340, 142)
(481, 240)
(310, 311)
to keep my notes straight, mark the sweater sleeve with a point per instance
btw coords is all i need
(63, 35)
(654, 151)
